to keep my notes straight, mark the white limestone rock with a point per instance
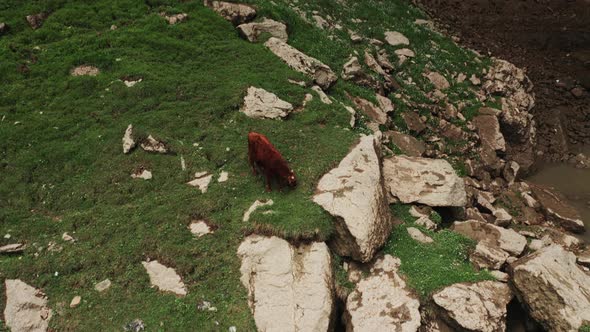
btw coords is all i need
(322, 74)
(382, 301)
(289, 287)
(26, 307)
(431, 182)
(353, 193)
(165, 278)
(476, 307)
(261, 104)
(555, 289)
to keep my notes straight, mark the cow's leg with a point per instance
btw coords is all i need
(251, 160)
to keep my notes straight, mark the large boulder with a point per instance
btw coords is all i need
(353, 194)
(554, 288)
(26, 307)
(252, 31)
(515, 89)
(431, 182)
(382, 301)
(262, 104)
(494, 236)
(475, 307)
(557, 209)
(289, 288)
(234, 12)
(322, 74)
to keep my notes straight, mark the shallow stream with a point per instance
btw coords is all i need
(573, 182)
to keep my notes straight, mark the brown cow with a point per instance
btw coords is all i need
(262, 154)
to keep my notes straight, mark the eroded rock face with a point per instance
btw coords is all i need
(165, 278)
(26, 307)
(234, 12)
(261, 104)
(431, 182)
(555, 289)
(382, 302)
(289, 288)
(353, 194)
(488, 129)
(517, 124)
(476, 307)
(494, 236)
(322, 74)
(252, 31)
(558, 209)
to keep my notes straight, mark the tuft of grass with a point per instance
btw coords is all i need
(585, 328)
(430, 267)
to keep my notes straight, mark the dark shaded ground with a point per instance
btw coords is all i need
(551, 39)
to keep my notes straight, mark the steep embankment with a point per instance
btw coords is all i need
(127, 198)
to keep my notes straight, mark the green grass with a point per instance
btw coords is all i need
(430, 267)
(62, 168)
(585, 328)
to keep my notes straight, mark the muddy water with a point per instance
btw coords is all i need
(574, 183)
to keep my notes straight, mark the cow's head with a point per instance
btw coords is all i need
(291, 179)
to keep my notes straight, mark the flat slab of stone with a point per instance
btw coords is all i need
(395, 38)
(143, 174)
(382, 301)
(85, 70)
(128, 140)
(488, 256)
(13, 248)
(103, 285)
(555, 289)
(289, 287)
(439, 81)
(201, 181)
(408, 144)
(489, 132)
(234, 12)
(476, 307)
(252, 31)
(261, 104)
(26, 307)
(431, 182)
(373, 111)
(165, 278)
(200, 228)
(353, 193)
(417, 235)
(494, 236)
(322, 74)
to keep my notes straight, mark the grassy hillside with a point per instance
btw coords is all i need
(62, 168)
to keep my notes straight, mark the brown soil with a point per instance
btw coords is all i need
(551, 40)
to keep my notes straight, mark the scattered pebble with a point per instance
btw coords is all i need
(103, 285)
(67, 237)
(144, 174)
(75, 301)
(200, 228)
(223, 176)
